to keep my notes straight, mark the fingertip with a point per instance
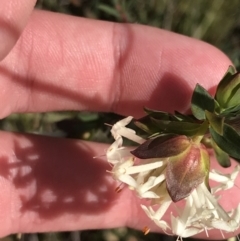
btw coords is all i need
(162, 68)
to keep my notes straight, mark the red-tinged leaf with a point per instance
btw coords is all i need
(186, 171)
(162, 147)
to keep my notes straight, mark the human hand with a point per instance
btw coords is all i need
(66, 63)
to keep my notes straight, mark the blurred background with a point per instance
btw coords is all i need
(216, 22)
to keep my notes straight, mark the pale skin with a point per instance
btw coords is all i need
(55, 62)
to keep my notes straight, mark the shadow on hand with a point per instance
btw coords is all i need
(57, 176)
(172, 94)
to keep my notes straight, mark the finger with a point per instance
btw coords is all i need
(14, 15)
(55, 184)
(52, 184)
(63, 62)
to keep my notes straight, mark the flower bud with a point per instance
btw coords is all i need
(170, 168)
(186, 171)
(228, 90)
(187, 165)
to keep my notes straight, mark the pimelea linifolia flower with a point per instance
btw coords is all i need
(166, 171)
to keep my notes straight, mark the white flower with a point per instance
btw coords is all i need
(201, 211)
(157, 215)
(225, 181)
(120, 130)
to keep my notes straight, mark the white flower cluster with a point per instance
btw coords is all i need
(201, 211)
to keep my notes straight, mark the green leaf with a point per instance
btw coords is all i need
(234, 123)
(225, 80)
(215, 121)
(222, 86)
(229, 141)
(221, 156)
(231, 71)
(231, 111)
(147, 125)
(228, 90)
(201, 101)
(186, 118)
(158, 114)
(177, 127)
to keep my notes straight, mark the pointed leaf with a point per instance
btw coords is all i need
(228, 142)
(158, 114)
(177, 127)
(231, 111)
(221, 156)
(201, 101)
(186, 118)
(231, 71)
(234, 123)
(225, 80)
(146, 124)
(222, 93)
(215, 121)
